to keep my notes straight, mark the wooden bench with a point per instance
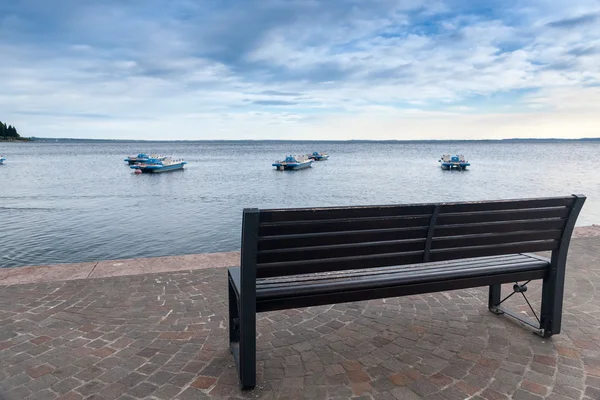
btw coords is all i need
(308, 257)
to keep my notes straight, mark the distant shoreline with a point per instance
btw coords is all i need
(15, 140)
(512, 140)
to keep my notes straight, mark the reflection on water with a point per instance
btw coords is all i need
(79, 201)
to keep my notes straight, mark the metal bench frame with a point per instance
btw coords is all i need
(243, 295)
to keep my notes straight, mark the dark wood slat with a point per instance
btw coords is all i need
(311, 214)
(337, 264)
(481, 251)
(387, 280)
(403, 290)
(498, 227)
(321, 213)
(386, 272)
(502, 215)
(343, 225)
(507, 204)
(340, 250)
(467, 262)
(331, 238)
(489, 239)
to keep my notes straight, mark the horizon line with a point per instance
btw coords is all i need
(34, 139)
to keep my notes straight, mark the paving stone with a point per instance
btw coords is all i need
(142, 390)
(523, 395)
(43, 382)
(203, 382)
(89, 373)
(148, 352)
(110, 376)
(43, 395)
(491, 394)
(423, 387)
(182, 379)
(113, 391)
(90, 388)
(40, 371)
(592, 392)
(20, 392)
(166, 391)
(132, 379)
(404, 393)
(192, 394)
(382, 384)
(66, 385)
(568, 392)
(70, 396)
(400, 379)
(534, 387)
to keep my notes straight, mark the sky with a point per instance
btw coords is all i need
(300, 69)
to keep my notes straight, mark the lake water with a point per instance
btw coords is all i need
(73, 202)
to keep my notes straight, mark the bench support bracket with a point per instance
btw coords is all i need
(495, 302)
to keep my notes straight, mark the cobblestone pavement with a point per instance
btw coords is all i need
(163, 336)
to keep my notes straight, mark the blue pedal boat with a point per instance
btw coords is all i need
(142, 158)
(293, 163)
(318, 156)
(155, 165)
(2, 159)
(458, 162)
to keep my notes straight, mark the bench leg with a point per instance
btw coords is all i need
(234, 318)
(247, 362)
(494, 298)
(242, 339)
(552, 303)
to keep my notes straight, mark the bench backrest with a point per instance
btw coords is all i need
(307, 240)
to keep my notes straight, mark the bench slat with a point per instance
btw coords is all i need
(340, 250)
(394, 279)
(343, 225)
(507, 259)
(498, 227)
(481, 251)
(331, 238)
(337, 264)
(502, 215)
(508, 204)
(322, 213)
(488, 239)
(312, 214)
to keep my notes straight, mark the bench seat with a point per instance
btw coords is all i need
(306, 289)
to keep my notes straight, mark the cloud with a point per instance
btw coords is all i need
(279, 93)
(575, 22)
(581, 51)
(60, 114)
(274, 103)
(239, 68)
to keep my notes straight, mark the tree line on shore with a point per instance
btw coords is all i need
(8, 131)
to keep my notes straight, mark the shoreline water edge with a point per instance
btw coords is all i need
(141, 266)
